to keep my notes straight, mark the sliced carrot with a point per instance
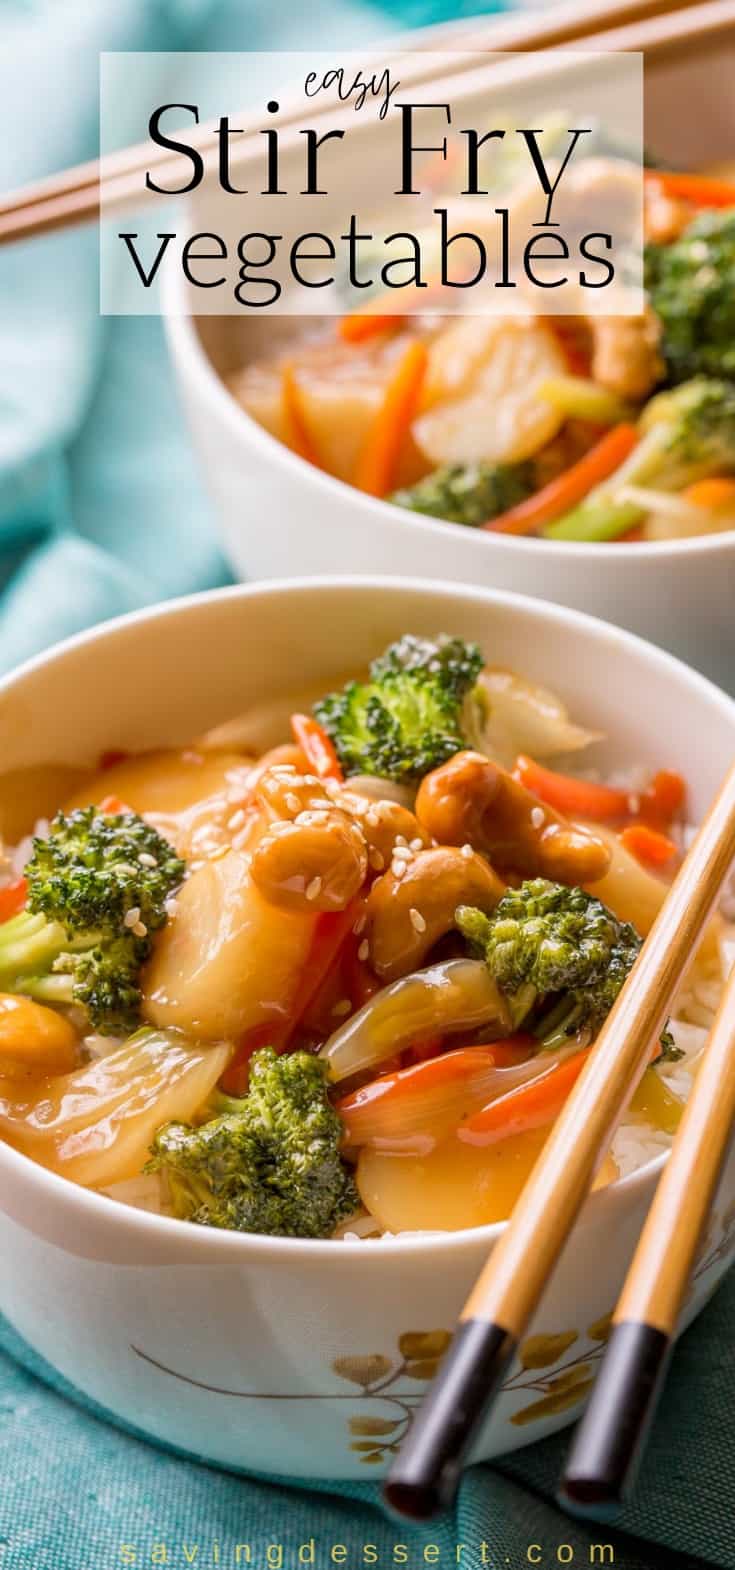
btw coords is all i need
(299, 435)
(12, 898)
(656, 805)
(575, 798)
(533, 1105)
(563, 493)
(701, 189)
(112, 806)
(376, 468)
(316, 746)
(648, 845)
(360, 326)
(573, 337)
(528, 1106)
(331, 928)
(719, 491)
(665, 796)
(234, 1081)
(413, 1108)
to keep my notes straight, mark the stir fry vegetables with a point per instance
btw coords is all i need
(686, 434)
(269, 1162)
(691, 284)
(469, 493)
(558, 955)
(405, 720)
(373, 981)
(95, 1125)
(535, 425)
(97, 890)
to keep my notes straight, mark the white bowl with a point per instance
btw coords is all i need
(278, 514)
(262, 1353)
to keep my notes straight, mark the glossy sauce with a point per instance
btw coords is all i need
(456, 1186)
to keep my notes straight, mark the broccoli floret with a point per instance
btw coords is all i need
(470, 493)
(72, 944)
(95, 867)
(687, 433)
(691, 286)
(558, 955)
(270, 1162)
(405, 720)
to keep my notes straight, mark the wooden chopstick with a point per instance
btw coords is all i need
(608, 1443)
(496, 1315)
(74, 195)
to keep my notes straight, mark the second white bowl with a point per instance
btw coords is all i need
(278, 515)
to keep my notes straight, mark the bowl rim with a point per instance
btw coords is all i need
(207, 1243)
(188, 350)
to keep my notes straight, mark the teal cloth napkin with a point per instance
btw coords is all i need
(101, 511)
(74, 1489)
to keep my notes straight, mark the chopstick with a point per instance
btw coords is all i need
(426, 1471)
(608, 1443)
(75, 195)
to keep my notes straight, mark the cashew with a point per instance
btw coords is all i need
(472, 800)
(317, 862)
(408, 914)
(34, 1040)
(384, 824)
(286, 795)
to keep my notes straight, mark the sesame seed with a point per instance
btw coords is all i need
(146, 859)
(363, 950)
(237, 819)
(171, 906)
(401, 853)
(140, 929)
(401, 841)
(467, 852)
(311, 779)
(537, 817)
(342, 1008)
(377, 860)
(634, 803)
(292, 802)
(360, 924)
(417, 921)
(398, 868)
(314, 888)
(372, 818)
(131, 916)
(416, 844)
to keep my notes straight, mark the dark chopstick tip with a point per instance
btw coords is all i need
(424, 1478)
(413, 1501)
(608, 1443)
(589, 1498)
